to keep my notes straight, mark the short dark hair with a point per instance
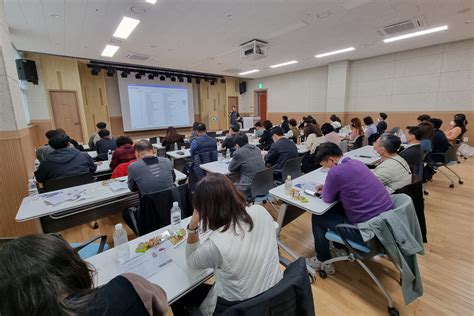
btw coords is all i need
(310, 129)
(51, 133)
(390, 142)
(423, 118)
(220, 204)
(267, 124)
(285, 118)
(327, 128)
(293, 122)
(195, 125)
(241, 139)
(101, 125)
(143, 145)
(122, 140)
(235, 127)
(104, 133)
(43, 275)
(201, 127)
(326, 150)
(461, 116)
(436, 122)
(415, 131)
(278, 131)
(427, 130)
(334, 118)
(258, 124)
(59, 141)
(368, 120)
(383, 115)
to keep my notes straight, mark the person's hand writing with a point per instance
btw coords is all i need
(318, 188)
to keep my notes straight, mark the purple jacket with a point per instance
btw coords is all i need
(362, 195)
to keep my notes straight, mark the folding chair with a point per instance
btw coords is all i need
(67, 182)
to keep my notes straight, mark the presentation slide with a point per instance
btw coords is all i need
(148, 106)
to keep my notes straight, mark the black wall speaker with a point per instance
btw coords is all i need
(27, 70)
(243, 87)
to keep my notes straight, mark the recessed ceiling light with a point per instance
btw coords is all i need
(54, 15)
(126, 26)
(469, 21)
(151, 1)
(228, 15)
(284, 64)
(109, 50)
(335, 52)
(409, 35)
(323, 15)
(138, 10)
(248, 72)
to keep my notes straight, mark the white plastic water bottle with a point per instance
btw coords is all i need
(175, 146)
(122, 251)
(175, 217)
(227, 154)
(109, 155)
(288, 185)
(158, 140)
(32, 188)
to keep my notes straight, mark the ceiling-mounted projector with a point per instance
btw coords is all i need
(254, 49)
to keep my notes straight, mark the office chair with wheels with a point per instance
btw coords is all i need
(262, 183)
(357, 143)
(438, 160)
(91, 248)
(292, 167)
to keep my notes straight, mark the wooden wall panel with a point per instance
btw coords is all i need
(94, 94)
(41, 127)
(16, 154)
(213, 98)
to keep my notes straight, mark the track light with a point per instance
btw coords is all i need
(124, 74)
(162, 78)
(151, 76)
(173, 79)
(198, 81)
(110, 72)
(206, 80)
(190, 80)
(222, 80)
(95, 71)
(180, 79)
(138, 75)
(212, 82)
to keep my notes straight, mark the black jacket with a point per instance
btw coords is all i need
(440, 143)
(381, 127)
(414, 156)
(103, 146)
(266, 140)
(280, 152)
(286, 126)
(64, 162)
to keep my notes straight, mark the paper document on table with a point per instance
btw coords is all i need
(161, 258)
(118, 185)
(141, 265)
(58, 197)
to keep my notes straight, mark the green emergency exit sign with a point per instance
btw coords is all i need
(260, 85)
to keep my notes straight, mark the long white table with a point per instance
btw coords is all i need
(365, 154)
(176, 279)
(175, 154)
(221, 167)
(96, 195)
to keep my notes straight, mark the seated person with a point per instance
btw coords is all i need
(45, 150)
(412, 152)
(313, 137)
(247, 161)
(427, 131)
(203, 150)
(335, 122)
(371, 130)
(94, 138)
(42, 275)
(123, 153)
(280, 151)
(122, 169)
(172, 137)
(393, 171)
(104, 145)
(423, 118)
(266, 140)
(72, 142)
(259, 129)
(329, 134)
(149, 173)
(457, 131)
(228, 142)
(382, 125)
(241, 248)
(362, 196)
(440, 143)
(285, 124)
(356, 130)
(294, 132)
(64, 161)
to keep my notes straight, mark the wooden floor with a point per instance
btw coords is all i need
(447, 268)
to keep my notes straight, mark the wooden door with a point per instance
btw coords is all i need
(66, 113)
(262, 105)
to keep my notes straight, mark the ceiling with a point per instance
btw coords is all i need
(205, 35)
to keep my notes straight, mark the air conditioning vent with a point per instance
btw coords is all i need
(402, 27)
(139, 57)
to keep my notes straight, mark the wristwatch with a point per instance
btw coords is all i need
(192, 231)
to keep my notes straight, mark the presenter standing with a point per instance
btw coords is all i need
(235, 116)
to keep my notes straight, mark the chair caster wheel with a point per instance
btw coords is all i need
(323, 274)
(311, 278)
(451, 186)
(392, 311)
(461, 182)
(426, 192)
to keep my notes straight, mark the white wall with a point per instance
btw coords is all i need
(436, 78)
(37, 99)
(301, 91)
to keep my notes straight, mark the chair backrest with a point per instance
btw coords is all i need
(211, 134)
(153, 140)
(67, 182)
(262, 183)
(372, 138)
(292, 167)
(185, 144)
(161, 152)
(394, 130)
(251, 130)
(359, 142)
(291, 296)
(451, 154)
(154, 211)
